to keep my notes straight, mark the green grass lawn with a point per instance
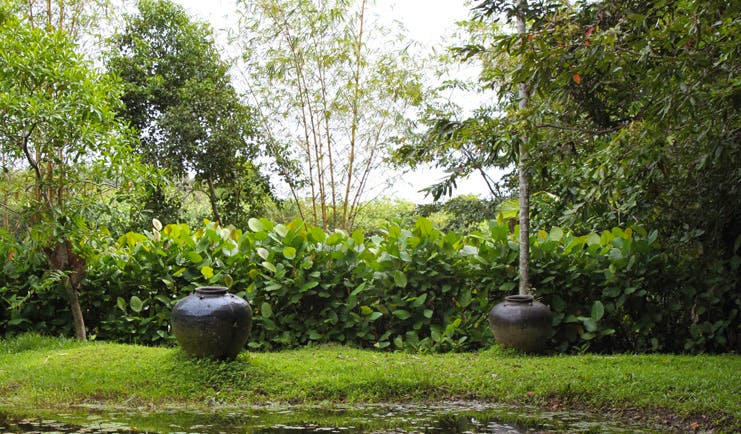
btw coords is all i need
(37, 372)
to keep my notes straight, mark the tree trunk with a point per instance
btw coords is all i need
(62, 258)
(212, 199)
(355, 115)
(77, 318)
(524, 97)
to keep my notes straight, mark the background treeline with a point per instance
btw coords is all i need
(631, 122)
(404, 288)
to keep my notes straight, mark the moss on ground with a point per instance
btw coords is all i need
(38, 372)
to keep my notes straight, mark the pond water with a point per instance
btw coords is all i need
(452, 417)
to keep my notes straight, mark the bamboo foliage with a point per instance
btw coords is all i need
(333, 89)
(74, 17)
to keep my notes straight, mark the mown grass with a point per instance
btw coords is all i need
(38, 372)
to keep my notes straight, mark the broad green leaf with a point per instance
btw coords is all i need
(507, 286)
(616, 254)
(228, 280)
(465, 297)
(358, 237)
(309, 285)
(317, 234)
(265, 310)
(556, 234)
(400, 279)
(207, 272)
(359, 289)
(402, 314)
(509, 209)
(121, 303)
(136, 304)
(374, 316)
(590, 325)
(593, 239)
(335, 238)
(269, 266)
(281, 230)
(263, 252)
(558, 304)
(255, 225)
(194, 257)
(419, 301)
(598, 310)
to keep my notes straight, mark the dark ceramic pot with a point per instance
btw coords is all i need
(212, 323)
(522, 323)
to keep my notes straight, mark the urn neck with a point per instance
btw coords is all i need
(211, 290)
(521, 299)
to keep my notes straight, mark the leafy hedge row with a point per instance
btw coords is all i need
(411, 289)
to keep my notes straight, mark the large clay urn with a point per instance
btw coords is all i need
(211, 322)
(522, 323)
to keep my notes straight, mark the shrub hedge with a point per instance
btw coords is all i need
(408, 289)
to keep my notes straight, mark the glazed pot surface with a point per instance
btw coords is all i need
(211, 322)
(522, 323)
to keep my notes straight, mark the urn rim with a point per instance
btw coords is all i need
(520, 298)
(211, 290)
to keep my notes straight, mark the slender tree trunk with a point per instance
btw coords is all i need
(30, 13)
(60, 4)
(77, 318)
(355, 108)
(212, 199)
(48, 15)
(524, 95)
(307, 119)
(62, 258)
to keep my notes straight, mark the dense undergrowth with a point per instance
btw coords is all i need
(413, 289)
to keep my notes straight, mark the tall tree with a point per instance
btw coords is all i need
(632, 115)
(636, 109)
(179, 96)
(523, 90)
(334, 90)
(56, 122)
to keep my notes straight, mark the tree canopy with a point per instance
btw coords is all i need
(632, 119)
(178, 95)
(57, 123)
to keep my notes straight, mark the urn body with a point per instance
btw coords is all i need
(212, 322)
(522, 323)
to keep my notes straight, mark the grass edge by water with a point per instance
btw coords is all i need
(681, 391)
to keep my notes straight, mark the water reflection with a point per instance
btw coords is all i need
(454, 418)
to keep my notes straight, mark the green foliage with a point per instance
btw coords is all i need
(633, 115)
(347, 85)
(188, 115)
(461, 214)
(31, 299)
(156, 203)
(374, 215)
(632, 119)
(413, 289)
(61, 149)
